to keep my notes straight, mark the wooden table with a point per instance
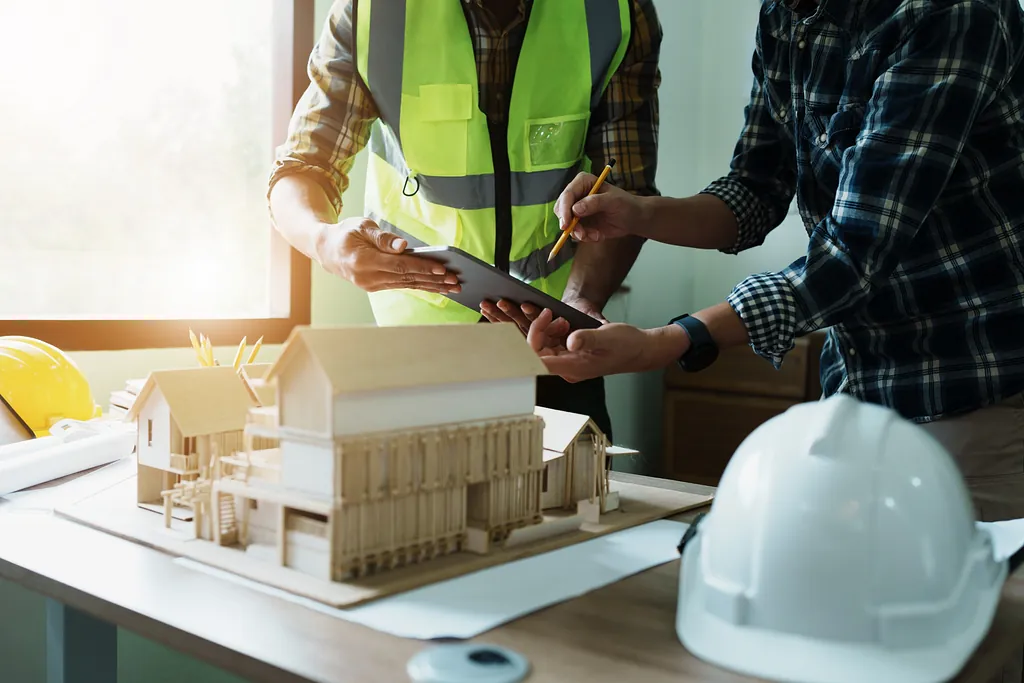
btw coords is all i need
(97, 582)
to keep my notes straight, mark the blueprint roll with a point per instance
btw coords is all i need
(48, 458)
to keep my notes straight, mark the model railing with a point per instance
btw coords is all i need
(185, 464)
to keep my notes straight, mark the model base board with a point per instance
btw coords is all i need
(115, 511)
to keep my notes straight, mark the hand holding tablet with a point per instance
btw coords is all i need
(482, 282)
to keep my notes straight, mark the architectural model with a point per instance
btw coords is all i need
(184, 418)
(365, 448)
(367, 461)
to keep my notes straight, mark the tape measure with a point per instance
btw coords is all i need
(467, 663)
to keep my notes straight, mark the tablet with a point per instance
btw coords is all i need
(483, 282)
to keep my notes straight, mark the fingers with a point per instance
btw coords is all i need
(588, 207)
(580, 340)
(493, 313)
(385, 241)
(515, 313)
(546, 335)
(530, 311)
(537, 335)
(578, 188)
(415, 272)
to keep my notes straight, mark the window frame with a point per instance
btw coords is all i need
(294, 30)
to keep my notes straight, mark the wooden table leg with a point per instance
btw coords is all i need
(79, 647)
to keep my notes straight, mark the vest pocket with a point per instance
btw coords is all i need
(556, 142)
(435, 129)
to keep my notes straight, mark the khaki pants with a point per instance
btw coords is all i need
(988, 446)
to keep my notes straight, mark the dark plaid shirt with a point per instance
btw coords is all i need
(898, 126)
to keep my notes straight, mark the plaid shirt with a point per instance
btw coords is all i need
(331, 123)
(898, 126)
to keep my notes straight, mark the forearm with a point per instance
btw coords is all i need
(668, 343)
(301, 209)
(701, 222)
(599, 268)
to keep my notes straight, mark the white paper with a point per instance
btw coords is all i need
(63, 458)
(472, 604)
(1007, 537)
(48, 498)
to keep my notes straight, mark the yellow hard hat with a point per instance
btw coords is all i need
(42, 385)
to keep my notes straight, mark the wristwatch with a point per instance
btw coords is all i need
(703, 350)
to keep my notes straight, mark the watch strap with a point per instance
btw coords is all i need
(703, 350)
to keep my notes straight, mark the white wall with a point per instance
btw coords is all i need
(159, 454)
(435, 405)
(307, 468)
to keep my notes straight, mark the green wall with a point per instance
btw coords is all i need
(706, 78)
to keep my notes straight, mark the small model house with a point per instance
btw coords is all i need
(576, 460)
(396, 445)
(184, 419)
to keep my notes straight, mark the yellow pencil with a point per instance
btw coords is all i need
(576, 219)
(238, 354)
(255, 350)
(195, 346)
(202, 349)
(209, 353)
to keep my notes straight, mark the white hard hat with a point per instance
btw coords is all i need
(841, 547)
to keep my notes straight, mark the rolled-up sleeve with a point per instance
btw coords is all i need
(762, 176)
(916, 124)
(331, 122)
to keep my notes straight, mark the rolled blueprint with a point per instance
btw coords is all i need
(41, 463)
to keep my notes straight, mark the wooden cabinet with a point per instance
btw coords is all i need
(709, 413)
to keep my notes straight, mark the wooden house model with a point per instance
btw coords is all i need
(576, 463)
(184, 419)
(394, 445)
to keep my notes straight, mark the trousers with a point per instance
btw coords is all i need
(988, 447)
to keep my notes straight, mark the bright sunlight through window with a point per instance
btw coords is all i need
(136, 143)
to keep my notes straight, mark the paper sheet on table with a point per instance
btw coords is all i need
(47, 497)
(1007, 537)
(469, 605)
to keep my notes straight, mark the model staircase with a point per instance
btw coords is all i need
(228, 525)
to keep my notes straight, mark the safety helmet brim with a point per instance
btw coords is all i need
(798, 659)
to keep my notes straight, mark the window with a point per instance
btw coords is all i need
(137, 140)
(149, 430)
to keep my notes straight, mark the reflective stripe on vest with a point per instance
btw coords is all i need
(471, 191)
(384, 67)
(533, 267)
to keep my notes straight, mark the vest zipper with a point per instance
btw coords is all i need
(502, 194)
(498, 133)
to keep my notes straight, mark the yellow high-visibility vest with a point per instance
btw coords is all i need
(435, 178)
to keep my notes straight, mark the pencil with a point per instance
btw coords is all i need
(255, 350)
(209, 353)
(576, 219)
(238, 354)
(202, 349)
(195, 346)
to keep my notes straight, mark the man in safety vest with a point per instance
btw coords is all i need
(477, 114)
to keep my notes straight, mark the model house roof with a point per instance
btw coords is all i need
(370, 358)
(562, 428)
(202, 401)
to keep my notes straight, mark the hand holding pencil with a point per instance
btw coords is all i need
(593, 210)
